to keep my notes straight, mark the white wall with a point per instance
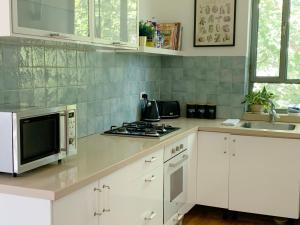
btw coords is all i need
(183, 11)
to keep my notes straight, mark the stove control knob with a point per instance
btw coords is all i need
(177, 149)
(181, 146)
(173, 151)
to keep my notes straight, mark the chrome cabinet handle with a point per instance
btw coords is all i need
(106, 210)
(106, 186)
(151, 216)
(97, 189)
(150, 179)
(97, 214)
(184, 158)
(151, 160)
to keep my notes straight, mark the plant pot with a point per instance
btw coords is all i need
(257, 108)
(143, 40)
(150, 43)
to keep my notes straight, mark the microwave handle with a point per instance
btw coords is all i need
(63, 132)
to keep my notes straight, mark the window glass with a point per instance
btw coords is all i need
(286, 94)
(294, 41)
(269, 38)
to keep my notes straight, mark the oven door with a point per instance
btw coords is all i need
(41, 140)
(175, 184)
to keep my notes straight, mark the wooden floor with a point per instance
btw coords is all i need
(200, 215)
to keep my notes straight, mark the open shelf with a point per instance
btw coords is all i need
(158, 51)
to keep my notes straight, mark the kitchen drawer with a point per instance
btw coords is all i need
(149, 201)
(141, 166)
(174, 149)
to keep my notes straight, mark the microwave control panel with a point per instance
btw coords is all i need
(72, 137)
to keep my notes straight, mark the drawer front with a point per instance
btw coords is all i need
(176, 148)
(149, 205)
(140, 167)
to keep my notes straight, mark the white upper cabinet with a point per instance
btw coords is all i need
(116, 22)
(111, 23)
(68, 19)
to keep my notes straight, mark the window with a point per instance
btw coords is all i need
(275, 56)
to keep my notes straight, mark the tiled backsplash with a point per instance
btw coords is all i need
(106, 85)
(206, 80)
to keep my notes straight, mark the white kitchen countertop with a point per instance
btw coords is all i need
(100, 155)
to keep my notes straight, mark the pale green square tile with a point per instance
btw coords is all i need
(82, 94)
(38, 56)
(11, 97)
(26, 97)
(81, 59)
(10, 56)
(51, 96)
(50, 57)
(61, 58)
(62, 77)
(67, 95)
(71, 58)
(39, 97)
(10, 79)
(39, 77)
(25, 56)
(51, 77)
(25, 78)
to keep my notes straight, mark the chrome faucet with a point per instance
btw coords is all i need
(272, 113)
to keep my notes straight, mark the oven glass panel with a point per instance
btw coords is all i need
(176, 185)
(39, 137)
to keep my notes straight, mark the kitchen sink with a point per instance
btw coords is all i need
(268, 126)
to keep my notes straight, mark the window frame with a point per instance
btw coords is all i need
(283, 65)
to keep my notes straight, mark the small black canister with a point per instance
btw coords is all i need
(211, 112)
(200, 111)
(190, 111)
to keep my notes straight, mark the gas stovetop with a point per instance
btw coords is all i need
(141, 128)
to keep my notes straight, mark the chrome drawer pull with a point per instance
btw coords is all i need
(151, 216)
(106, 186)
(97, 214)
(184, 158)
(106, 210)
(150, 179)
(97, 189)
(151, 160)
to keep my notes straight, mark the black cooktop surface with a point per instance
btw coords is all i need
(141, 128)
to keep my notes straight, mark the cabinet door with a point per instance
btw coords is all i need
(213, 169)
(52, 18)
(264, 176)
(116, 22)
(77, 208)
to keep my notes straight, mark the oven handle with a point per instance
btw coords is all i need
(184, 158)
(63, 132)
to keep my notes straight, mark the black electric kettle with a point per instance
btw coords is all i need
(150, 110)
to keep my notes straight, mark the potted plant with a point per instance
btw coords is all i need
(259, 101)
(146, 30)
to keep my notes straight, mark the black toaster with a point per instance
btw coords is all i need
(168, 109)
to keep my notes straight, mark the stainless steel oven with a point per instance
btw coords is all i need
(175, 181)
(32, 137)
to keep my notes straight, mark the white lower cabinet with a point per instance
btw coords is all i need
(132, 195)
(249, 174)
(264, 176)
(213, 169)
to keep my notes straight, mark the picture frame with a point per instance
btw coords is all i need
(214, 23)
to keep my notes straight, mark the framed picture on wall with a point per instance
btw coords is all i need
(214, 23)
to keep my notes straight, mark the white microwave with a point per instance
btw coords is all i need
(33, 137)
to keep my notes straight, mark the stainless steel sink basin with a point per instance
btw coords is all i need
(268, 126)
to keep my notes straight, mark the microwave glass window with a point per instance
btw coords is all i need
(39, 137)
(176, 185)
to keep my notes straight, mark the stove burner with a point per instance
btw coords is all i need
(141, 128)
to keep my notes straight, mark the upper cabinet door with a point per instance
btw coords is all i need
(116, 22)
(67, 19)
